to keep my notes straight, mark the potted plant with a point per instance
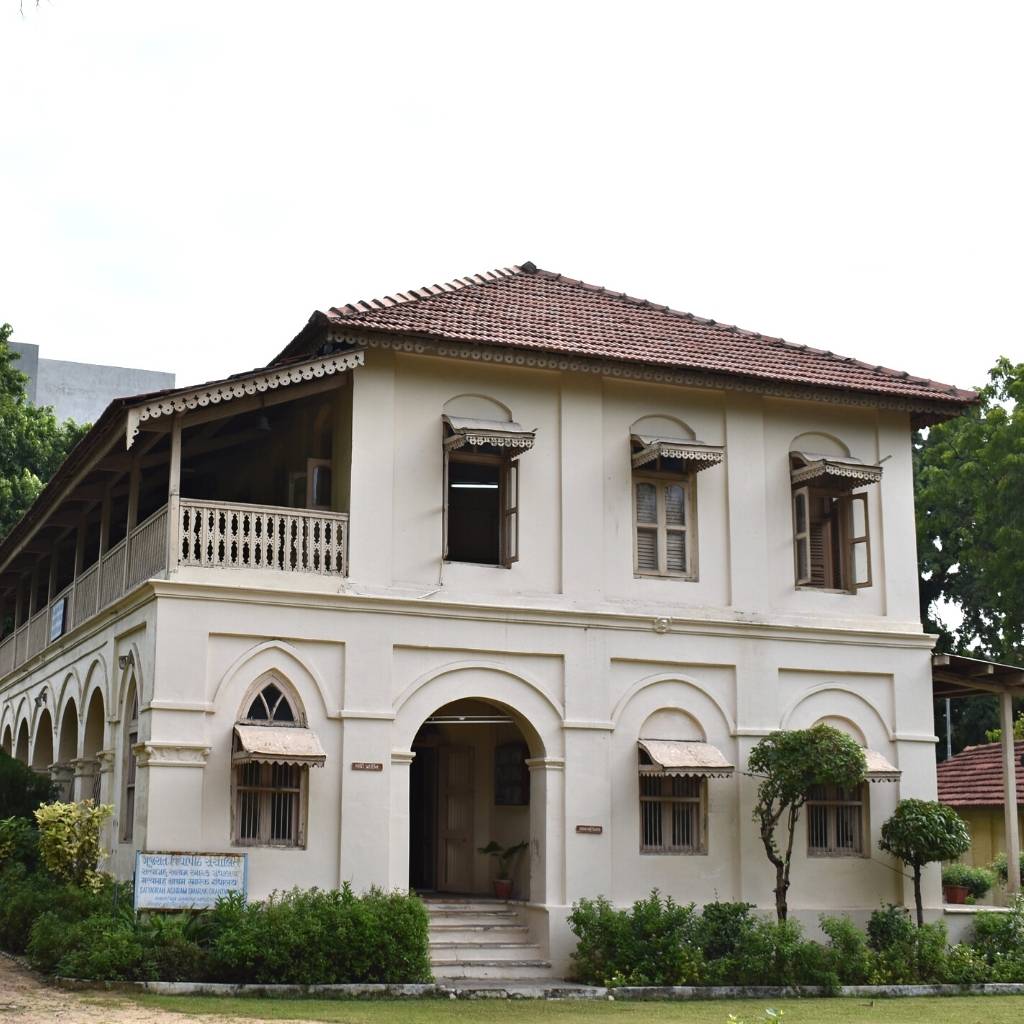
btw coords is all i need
(505, 856)
(961, 882)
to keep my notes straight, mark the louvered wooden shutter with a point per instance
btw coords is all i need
(856, 512)
(802, 536)
(444, 504)
(510, 513)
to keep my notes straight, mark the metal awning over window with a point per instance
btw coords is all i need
(696, 455)
(509, 437)
(833, 471)
(879, 769)
(277, 744)
(684, 757)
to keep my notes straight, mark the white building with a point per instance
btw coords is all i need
(513, 558)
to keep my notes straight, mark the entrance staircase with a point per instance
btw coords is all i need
(474, 937)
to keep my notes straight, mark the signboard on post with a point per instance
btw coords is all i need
(187, 881)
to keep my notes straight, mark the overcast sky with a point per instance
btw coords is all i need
(184, 183)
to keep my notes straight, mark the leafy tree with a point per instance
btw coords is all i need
(21, 789)
(790, 764)
(32, 443)
(920, 832)
(969, 492)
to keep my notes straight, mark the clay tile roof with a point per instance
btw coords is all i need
(527, 308)
(974, 777)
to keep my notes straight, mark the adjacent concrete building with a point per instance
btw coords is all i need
(511, 558)
(81, 391)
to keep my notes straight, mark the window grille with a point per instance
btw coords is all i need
(672, 810)
(130, 767)
(269, 804)
(835, 821)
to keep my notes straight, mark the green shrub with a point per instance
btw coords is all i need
(21, 789)
(104, 948)
(652, 943)
(999, 866)
(722, 926)
(999, 938)
(320, 937)
(966, 966)
(889, 926)
(19, 843)
(917, 959)
(850, 957)
(776, 953)
(977, 881)
(69, 840)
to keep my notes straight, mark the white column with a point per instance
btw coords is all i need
(547, 830)
(398, 847)
(1010, 813)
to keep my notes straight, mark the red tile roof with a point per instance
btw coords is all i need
(527, 308)
(974, 777)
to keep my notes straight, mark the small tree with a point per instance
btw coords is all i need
(790, 764)
(922, 831)
(69, 840)
(21, 789)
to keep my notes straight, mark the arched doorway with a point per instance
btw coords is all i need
(67, 752)
(469, 785)
(92, 744)
(8, 742)
(21, 750)
(42, 748)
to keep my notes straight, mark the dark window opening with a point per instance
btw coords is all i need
(474, 510)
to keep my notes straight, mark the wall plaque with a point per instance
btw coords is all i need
(183, 881)
(590, 830)
(58, 618)
(367, 766)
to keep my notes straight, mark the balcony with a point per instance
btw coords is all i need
(207, 535)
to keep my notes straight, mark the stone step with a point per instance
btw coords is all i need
(476, 920)
(472, 906)
(484, 951)
(510, 970)
(478, 932)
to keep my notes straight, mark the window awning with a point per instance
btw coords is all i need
(277, 744)
(697, 455)
(879, 769)
(684, 757)
(493, 433)
(836, 471)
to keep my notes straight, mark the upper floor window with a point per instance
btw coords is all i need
(481, 489)
(665, 498)
(831, 534)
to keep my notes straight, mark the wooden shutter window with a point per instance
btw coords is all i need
(802, 535)
(647, 527)
(661, 527)
(510, 513)
(860, 541)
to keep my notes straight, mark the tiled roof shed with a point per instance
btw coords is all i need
(974, 777)
(532, 310)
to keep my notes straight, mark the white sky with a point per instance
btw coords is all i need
(183, 183)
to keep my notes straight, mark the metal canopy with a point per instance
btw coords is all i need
(462, 431)
(684, 757)
(696, 454)
(879, 768)
(841, 472)
(277, 744)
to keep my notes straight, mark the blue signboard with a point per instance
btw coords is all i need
(187, 881)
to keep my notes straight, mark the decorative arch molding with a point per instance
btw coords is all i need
(808, 697)
(272, 656)
(477, 407)
(663, 425)
(23, 714)
(481, 680)
(96, 677)
(7, 739)
(664, 678)
(70, 690)
(845, 725)
(284, 684)
(820, 443)
(131, 673)
(7, 718)
(36, 710)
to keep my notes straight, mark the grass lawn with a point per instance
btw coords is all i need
(962, 1010)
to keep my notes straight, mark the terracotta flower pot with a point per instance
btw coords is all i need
(503, 888)
(955, 893)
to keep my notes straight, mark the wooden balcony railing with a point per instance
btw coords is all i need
(210, 534)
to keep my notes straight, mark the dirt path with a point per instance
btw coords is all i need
(25, 1000)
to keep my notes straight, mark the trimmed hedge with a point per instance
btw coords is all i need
(659, 942)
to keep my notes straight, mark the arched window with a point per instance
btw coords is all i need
(130, 764)
(271, 755)
(270, 705)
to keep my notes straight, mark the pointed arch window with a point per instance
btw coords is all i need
(130, 765)
(272, 752)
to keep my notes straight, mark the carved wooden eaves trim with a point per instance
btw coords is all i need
(260, 382)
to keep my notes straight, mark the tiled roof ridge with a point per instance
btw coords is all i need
(425, 292)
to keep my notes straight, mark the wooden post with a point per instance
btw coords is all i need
(19, 604)
(105, 522)
(80, 547)
(174, 495)
(33, 590)
(51, 583)
(1010, 809)
(133, 516)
